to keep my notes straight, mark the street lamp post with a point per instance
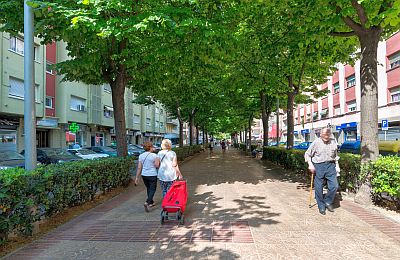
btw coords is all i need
(29, 89)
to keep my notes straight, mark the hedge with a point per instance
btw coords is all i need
(26, 197)
(385, 172)
(186, 151)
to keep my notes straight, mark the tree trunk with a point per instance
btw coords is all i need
(369, 96)
(118, 99)
(250, 121)
(180, 132)
(203, 136)
(264, 117)
(206, 140)
(190, 130)
(290, 121)
(369, 106)
(197, 134)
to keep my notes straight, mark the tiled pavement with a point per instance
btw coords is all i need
(238, 208)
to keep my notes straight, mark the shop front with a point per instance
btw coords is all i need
(8, 135)
(306, 135)
(350, 131)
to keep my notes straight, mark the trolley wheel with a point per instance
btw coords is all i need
(182, 220)
(163, 217)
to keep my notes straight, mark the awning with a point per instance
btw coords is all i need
(5, 124)
(109, 108)
(305, 131)
(348, 125)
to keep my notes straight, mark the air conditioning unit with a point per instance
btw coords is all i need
(81, 107)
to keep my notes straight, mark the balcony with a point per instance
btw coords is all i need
(172, 121)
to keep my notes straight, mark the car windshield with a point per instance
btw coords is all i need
(9, 155)
(56, 152)
(85, 151)
(135, 146)
(107, 149)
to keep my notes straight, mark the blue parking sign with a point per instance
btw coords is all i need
(385, 125)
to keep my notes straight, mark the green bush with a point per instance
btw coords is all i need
(26, 197)
(242, 147)
(186, 151)
(385, 172)
(386, 176)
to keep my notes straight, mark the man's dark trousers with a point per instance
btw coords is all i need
(151, 184)
(326, 170)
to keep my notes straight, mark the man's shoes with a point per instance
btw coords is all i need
(322, 211)
(146, 207)
(330, 207)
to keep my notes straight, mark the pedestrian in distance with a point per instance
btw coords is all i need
(148, 163)
(169, 169)
(223, 145)
(323, 161)
(211, 146)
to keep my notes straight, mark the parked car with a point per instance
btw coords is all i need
(54, 155)
(350, 147)
(87, 154)
(10, 159)
(104, 150)
(302, 146)
(389, 147)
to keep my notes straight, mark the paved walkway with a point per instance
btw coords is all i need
(238, 207)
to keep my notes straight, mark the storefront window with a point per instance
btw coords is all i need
(8, 141)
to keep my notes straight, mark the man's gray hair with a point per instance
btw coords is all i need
(327, 130)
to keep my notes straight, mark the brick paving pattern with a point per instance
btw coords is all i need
(238, 208)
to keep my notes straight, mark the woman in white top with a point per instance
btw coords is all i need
(147, 167)
(169, 170)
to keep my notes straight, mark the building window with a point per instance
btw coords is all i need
(17, 46)
(136, 119)
(352, 106)
(107, 88)
(157, 124)
(148, 121)
(394, 60)
(157, 110)
(50, 68)
(315, 116)
(17, 89)
(108, 112)
(78, 104)
(161, 111)
(49, 102)
(336, 88)
(161, 125)
(351, 81)
(148, 107)
(337, 110)
(324, 113)
(395, 95)
(308, 117)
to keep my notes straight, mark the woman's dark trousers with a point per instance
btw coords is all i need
(151, 184)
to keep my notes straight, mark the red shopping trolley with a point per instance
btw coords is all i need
(174, 203)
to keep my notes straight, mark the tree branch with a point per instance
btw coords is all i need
(360, 11)
(356, 27)
(343, 34)
(384, 6)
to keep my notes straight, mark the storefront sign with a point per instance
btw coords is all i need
(338, 127)
(73, 127)
(47, 122)
(296, 132)
(305, 131)
(349, 125)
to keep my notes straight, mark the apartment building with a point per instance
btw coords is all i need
(67, 112)
(340, 109)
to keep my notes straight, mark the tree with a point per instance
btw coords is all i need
(369, 22)
(109, 41)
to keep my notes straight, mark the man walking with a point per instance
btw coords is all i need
(322, 158)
